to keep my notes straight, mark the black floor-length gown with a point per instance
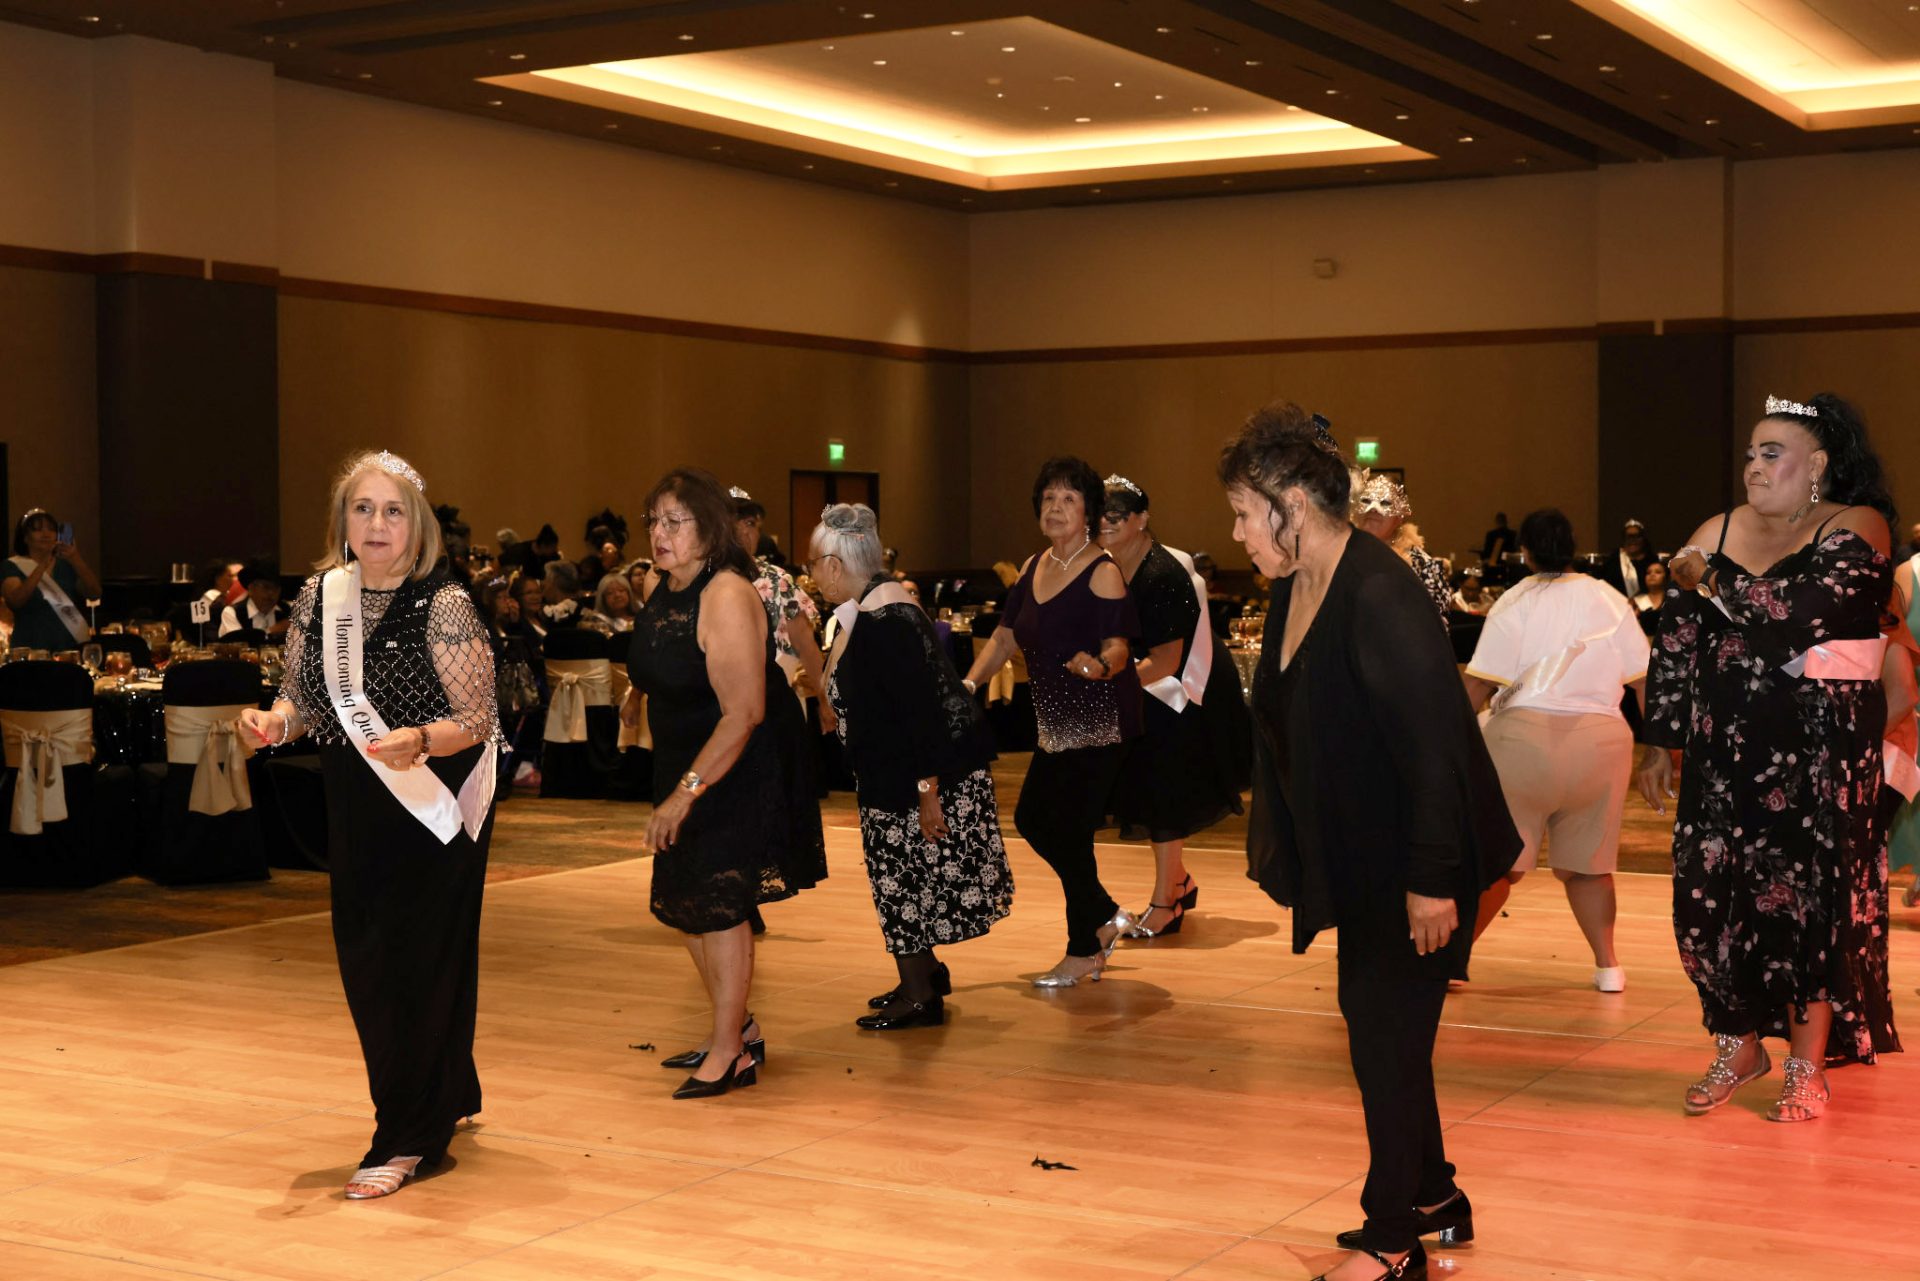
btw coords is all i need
(406, 908)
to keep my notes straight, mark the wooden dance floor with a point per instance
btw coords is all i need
(190, 1108)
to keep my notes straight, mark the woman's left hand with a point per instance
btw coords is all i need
(1687, 569)
(397, 750)
(933, 823)
(1085, 666)
(1433, 921)
(664, 827)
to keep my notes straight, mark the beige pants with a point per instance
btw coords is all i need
(1565, 780)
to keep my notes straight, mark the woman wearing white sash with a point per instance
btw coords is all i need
(1554, 654)
(389, 669)
(1188, 767)
(44, 583)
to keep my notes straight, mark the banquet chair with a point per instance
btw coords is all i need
(632, 778)
(581, 751)
(1007, 693)
(68, 823)
(129, 643)
(197, 809)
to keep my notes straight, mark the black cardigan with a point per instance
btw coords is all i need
(908, 717)
(1381, 738)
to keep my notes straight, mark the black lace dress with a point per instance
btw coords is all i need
(1779, 869)
(1187, 769)
(754, 835)
(406, 908)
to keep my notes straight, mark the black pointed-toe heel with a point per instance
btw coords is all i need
(942, 986)
(1411, 1268)
(930, 1014)
(737, 1078)
(690, 1060)
(1450, 1222)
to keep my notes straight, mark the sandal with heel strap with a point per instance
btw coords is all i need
(382, 1180)
(690, 1060)
(1411, 1268)
(1184, 902)
(1718, 1085)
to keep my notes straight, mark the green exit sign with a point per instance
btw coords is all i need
(1366, 452)
(836, 452)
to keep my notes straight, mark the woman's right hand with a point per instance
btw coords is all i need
(630, 709)
(1655, 777)
(1687, 569)
(266, 726)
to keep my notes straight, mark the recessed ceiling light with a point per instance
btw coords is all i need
(1226, 182)
(1083, 120)
(1163, 30)
(610, 126)
(1465, 137)
(1710, 121)
(1006, 48)
(1607, 68)
(686, 36)
(493, 102)
(1519, 160)
(91, 18)
(956, 33)
(999, 95)
(1544, 35)
(1253, 62)
(1199, 109)
(366, 75)
(893, 184)
(1159, 97)
(879, 62)
(1096, 191)
(1291, 107)
(1403, 116)
(516, 57)
(827, 47)
(1369, 171)
(866, 15)
(1116, 84)
(806, 166)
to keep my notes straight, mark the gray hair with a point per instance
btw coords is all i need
(562, 576)
(851, 532)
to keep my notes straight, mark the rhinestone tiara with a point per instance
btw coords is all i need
(1775, 405)
(394, 465)
(734, 491)
(1118, 481)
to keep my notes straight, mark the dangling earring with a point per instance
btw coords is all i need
(346, 552)
(1816, 491)
(1296, 544)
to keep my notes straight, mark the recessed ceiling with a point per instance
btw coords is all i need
(1388, 90)
(1834, 64)
(994, 105)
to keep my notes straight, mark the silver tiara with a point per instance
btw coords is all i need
(1121, 482)
(1775, 405)
(734, 491)
(394, 465)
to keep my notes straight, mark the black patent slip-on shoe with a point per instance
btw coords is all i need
(1451, 1221)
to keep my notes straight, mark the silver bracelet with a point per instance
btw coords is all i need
(286, 728)
(1701, 552)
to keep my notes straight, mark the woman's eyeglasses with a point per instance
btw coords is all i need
(672, 524)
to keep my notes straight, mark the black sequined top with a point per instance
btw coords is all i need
(1169, 610)
(426, 654)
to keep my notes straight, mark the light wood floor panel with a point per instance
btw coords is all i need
(189, 1108)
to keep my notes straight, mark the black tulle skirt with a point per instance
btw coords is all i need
(1186, 771)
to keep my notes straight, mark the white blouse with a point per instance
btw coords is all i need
(1570, 642)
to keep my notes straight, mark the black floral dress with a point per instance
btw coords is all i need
(1780, 878)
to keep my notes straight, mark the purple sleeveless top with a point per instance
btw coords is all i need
(1072, 711)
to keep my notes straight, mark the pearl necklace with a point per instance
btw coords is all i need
(1068, 562)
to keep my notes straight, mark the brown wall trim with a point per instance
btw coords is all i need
(45, 259)
(1828, 324)
(1272, 346)
(240, 273)
(149, 265)
(503, 309)
(1624, 328)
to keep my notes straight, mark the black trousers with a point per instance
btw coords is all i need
(1064, 801)
(1391, 998)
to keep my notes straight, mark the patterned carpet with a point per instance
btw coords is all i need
(532, 837)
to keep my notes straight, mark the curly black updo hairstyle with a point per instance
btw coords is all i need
(1283, 447)
(1854, 475)
(1072, 473)
(1547, 536)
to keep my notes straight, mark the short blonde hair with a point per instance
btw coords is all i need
(423, 526)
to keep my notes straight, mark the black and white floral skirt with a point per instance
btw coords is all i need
(932, 893)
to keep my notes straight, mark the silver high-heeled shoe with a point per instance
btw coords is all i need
(1066, 975)
(1123, 923)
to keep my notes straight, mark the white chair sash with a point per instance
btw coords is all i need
(1840, 660)
(41, 745)
(577, 684)
(209, 739)
(1000, 684)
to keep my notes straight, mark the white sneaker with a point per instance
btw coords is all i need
(1613, 979)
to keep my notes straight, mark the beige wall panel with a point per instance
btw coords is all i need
(1827, 235)
(1661, 236)
(1477, 428)
(1433, 257)
(46, 140)
(51, 425)
(1877, 369)
(520, 423)
(382, 193)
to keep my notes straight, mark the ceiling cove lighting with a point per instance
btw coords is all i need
(1817, 64)
(938, 124)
